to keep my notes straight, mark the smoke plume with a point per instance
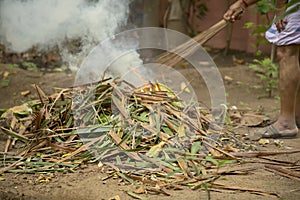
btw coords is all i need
(48, 23)
(44, 23)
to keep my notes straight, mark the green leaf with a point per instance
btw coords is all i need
(167, 131)
(181, 130)
(212, 160)
(22, 110)
(2, 111)
(120, 174)
(249, 25)
(195, 147)
(29, 65)
(14, 135)
(134, 195)
(155, 150)
(222, 162)
(259, 30)
(4, 82)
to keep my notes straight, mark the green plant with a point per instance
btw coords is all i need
(264, 7)
(12, 66)
(4, 82)
(29, 65)
(267, 71)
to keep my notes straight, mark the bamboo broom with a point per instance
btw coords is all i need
(172, 58)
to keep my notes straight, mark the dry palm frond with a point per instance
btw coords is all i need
(130, 130)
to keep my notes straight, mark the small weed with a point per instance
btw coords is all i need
(4, 83)
(267, 71)
(12, 66)
(263, 7)
(29, 66)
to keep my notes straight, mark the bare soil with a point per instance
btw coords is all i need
(87, 184)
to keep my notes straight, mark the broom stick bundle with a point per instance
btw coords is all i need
(176, 55)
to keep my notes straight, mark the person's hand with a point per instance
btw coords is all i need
(280, 21)
(280, 24)
(234, 12)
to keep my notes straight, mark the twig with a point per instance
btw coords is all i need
(230, 155)
(14, 134)
(80, 149)
(4, 169)
(284, 172)
(235, 188)
(262, 153)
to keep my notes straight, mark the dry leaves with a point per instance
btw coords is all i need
(146, 136)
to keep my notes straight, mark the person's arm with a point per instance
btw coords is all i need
(231, 15)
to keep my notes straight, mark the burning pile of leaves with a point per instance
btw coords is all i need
(143, 134)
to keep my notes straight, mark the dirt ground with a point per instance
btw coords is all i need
(87, 183)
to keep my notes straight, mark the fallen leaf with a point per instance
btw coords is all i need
(44, 178)
(195, 147)
(263, 141)
(183, 165)
(132, 194)
(235, 115)
(155, 150)
(117, 197)
(23, 109)
(183, 64)
(4, 82)
(233, 108)
(100, 164)
(5, 74)
(238, 61)
(252, 119)
(228, 78)
(25, 93)
(181, 131)
(229, 148)
(278, 143)
(184, 87)
(140, 190)
(214, 152)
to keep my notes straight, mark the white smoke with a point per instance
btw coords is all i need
(44, 23)
(48, 23)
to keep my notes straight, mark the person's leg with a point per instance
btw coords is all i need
(289, 80)
(298, 100)
(298, 108)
